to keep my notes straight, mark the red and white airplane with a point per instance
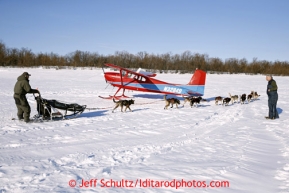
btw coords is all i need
(143, 81)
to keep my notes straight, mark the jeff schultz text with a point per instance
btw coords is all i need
(148, 183)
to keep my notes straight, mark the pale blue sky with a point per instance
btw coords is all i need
(219, 28)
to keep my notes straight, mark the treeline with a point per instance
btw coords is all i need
(186, 62)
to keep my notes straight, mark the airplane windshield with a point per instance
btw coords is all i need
(141, 79)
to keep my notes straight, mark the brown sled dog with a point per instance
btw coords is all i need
(187, 99)
(171, 102)
(218, 99)
(123, 103)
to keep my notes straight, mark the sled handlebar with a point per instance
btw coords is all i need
(38, 94)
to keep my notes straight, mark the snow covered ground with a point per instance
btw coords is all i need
(233, 146)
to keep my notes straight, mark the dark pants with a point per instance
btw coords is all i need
(272, 103)
(23, 108)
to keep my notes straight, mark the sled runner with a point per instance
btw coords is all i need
(53, 109)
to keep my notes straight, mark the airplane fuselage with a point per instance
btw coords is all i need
(148, 84)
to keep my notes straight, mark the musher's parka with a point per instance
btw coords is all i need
(21, 88)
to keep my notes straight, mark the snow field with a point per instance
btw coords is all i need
(208, 143)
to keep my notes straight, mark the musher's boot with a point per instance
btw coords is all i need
(27, 120)
(269, 118)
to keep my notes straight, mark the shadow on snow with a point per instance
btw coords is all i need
(93, 113)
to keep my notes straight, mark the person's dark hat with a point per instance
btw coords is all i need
(26, 74)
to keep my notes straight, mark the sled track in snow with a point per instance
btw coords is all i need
(196, 131)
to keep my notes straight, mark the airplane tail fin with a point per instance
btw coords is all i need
(198, 78)
(197, 83)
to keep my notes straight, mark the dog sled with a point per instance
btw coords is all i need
(54, 109)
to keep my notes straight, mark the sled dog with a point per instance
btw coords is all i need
(187, 99)
(226, 101)
(218, 99)
(255, 95)
(123, 103)
(242, 98)
(171, 102)
(234, 98)
(196, 101)
(249, 97)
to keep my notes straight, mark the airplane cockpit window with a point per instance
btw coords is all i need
(142, 79)
(139, 78)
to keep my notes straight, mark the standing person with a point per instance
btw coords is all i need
(272, 97)
(21, 88)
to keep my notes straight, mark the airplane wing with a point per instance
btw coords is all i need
(127, 70)
(146, 73)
